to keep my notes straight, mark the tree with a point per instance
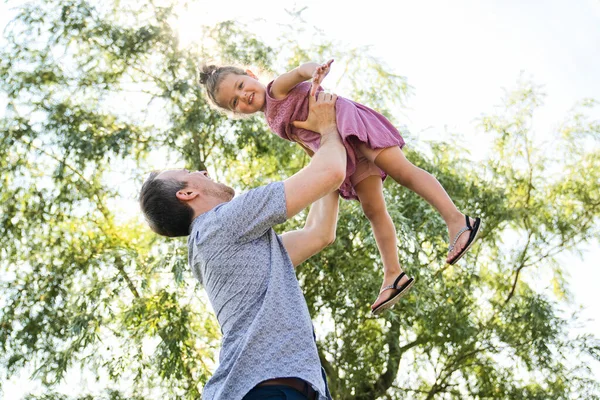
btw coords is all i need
(97, 92)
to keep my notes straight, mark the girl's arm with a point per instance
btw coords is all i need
(284, 83)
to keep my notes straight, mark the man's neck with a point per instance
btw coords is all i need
(202, 206)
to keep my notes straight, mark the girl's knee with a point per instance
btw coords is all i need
(374, 210)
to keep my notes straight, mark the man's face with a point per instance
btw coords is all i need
(200, 181)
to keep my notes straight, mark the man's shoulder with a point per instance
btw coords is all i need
(249, 197)
(242, 210)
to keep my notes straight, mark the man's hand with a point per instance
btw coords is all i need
(321, 114)
(320, 73)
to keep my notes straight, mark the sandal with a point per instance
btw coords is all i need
(475, 230)
(401, 291)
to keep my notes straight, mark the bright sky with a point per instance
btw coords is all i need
(457, 56)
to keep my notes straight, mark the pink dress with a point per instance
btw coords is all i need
(355, 122)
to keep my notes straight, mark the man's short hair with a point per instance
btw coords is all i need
(164, 212)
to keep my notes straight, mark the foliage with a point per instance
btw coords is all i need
(99, 93)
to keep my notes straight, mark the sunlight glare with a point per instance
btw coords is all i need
(194, 15)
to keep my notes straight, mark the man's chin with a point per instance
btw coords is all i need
(228, 192)
(221, 191)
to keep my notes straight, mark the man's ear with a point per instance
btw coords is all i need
(187, 194)
(251, 74)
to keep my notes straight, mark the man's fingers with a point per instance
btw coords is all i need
(299, 124)
(321, 108)
(326, 97)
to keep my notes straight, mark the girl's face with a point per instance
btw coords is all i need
(242, 94)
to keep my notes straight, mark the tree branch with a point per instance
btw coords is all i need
(522, 264)
(386, 380)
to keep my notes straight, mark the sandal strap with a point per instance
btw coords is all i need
(398, 279)
(463, 230)
(393, 285)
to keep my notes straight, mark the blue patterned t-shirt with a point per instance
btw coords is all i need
(252, 286)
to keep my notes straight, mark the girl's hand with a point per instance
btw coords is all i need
(320, 73)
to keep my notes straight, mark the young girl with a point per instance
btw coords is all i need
(374, 150)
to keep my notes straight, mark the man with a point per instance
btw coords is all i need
(268, 348)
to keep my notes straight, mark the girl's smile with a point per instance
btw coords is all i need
(241, 94)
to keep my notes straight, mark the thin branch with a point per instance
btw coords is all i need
(522, 264)
(130, 285)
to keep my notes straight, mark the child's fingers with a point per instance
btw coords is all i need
(325, 67)
(313, 88)
(316, 81)
(320, 73)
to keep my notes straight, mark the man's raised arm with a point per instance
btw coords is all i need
(327, 168)
(318, 231)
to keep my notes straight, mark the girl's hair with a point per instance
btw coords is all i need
(211, 77)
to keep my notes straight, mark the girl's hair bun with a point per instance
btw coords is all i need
(206, 72)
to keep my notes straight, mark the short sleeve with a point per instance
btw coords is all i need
(251, 214)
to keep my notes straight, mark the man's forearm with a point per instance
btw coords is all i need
(327, 169)
(318, 231)
(323, 212)
(330, 158)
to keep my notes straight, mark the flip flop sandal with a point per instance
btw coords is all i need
(402, 290)
(475, 230)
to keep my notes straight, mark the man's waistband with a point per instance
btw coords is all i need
(300, 385)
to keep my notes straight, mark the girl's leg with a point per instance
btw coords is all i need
(395, 164)
(370, 193)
